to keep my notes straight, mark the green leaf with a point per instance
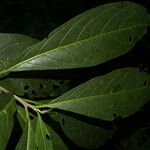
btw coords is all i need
(120, 93)
(27, 141)
(56, 139)
(21, 115)
(35, 88)
(92, 38)
(83, 134)
(7, 110)
(12, 47)
(43, 137)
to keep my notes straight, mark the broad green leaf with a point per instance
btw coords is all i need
(7, 110)
(43, 137)
(119, 93)
(36, 88)
(21, 115)
(12, 47)
(56, 140)
(92, 38)
(27, 140)
(83, 134)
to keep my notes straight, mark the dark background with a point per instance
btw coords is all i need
(37, 18)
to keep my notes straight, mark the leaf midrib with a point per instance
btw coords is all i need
(29, 135)
(90, 97)
(55, 49)
(41, 128)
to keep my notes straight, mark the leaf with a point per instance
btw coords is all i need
(27, 141)
(92, 38)
(12, 47)
(7, 110)
(36, 88)
(120, 93)
(21, 115)
(56, 139)
(83, 134)
(43, 137)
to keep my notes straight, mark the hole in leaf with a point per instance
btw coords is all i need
(45, 94)
(61, 82)
(55, 87)
(63, 121)
(33, 92)
(115, 115)
(31, 117)
(41, 86)
(130, 38)
(145, 82)
(47, 136)
(25, 94)
(26, 87)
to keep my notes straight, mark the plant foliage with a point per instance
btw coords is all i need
(50, 114)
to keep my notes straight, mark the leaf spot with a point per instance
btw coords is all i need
(47, 136)
(31, 117)
(33, 92)
(145, 82)
(45, 93)
(26, 87)
(41, 86)
(130, 38)
(115, 115)
(55, 87)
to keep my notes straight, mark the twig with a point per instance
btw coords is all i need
(25, 103)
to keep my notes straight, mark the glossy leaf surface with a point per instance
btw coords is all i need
(43, 137)
(12, 47)
(7, 110)
(27, 140)
(119, 93)
(92, 38)
(35, 88)
(57, 142)
(82, 133)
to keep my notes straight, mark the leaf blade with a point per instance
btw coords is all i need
(27, 140)
(35, 88)
(82, 133)
(12, 48)
(121, 92)
(6, 119)
(87, 41)
(42, 135)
